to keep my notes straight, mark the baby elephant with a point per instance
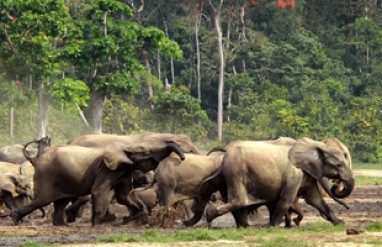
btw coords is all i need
(11, 187)
(140, 203)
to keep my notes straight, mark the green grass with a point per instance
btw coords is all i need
(249, 234)
(374, 227)
(37, 244)
(366, 166)
(364, 180)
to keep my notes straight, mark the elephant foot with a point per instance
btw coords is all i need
(297, 221)
(211, 213)
(109, 217)
(16, 217)
(338, 222)
(189, 222)
(60, 223)
(70, 216)
(127, 219)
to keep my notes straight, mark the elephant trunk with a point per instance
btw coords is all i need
(173, 147)
(346, 191)
(325, 185)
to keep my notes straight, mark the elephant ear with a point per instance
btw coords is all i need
(8, 183)
(114, 155)
(334, 142)
(308, 155)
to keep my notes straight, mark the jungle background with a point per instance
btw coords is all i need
(215, 70)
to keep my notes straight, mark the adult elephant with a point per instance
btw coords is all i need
(65, 172)
(123, 188)
(258, 173)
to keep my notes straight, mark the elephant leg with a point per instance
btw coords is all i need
(241, 217)
(76, 207)
(314, 198)
(122, 190)
(164, 191)
(18, 214)
(9, 200)
(58, 214)
(101, 197)
(288, 194)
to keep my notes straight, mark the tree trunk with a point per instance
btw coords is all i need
(42, 111)
(97, 111)
(198, 78)
(171, 58)
(159, 66)
(83, 118)
(217, 12)
(148, 68)
(11, 121)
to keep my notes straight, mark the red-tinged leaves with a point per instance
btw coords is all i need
(286, 3)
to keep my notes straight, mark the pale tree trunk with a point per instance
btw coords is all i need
(171, 58)
(42, 111)
(159, 66)
(148, 68)
(97, 111)
(198, 77)
(217, 13)
(11, 121)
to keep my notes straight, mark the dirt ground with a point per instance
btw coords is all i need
(365, 207)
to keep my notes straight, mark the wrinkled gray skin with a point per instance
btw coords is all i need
(76, 171)
(139, 179)
(123, 188)
(175, 180)
(140, 203)
(12, 186)
(179, 180)
(263, 174)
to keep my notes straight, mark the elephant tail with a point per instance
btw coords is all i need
(42, 143)
(26, 153)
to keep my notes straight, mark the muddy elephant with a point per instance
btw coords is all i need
(258, 173)
(175, 180)
(14, 154)
(11, 187)
(178, 180)
(138, 179)
(123, 188)
(69, 171)
(140, 203)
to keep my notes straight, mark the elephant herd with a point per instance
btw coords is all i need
(149, 170)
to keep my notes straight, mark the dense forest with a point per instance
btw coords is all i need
(215, 70)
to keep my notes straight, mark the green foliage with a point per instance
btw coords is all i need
(122, 117)
(177, 112)
(70, 91)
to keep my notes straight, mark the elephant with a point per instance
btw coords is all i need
(175, 180)
(139, 179)
(69, 171)
(178, 180)
(141, 201)
(13, 188)
(123, 188)
(258, 173)
(14, 154)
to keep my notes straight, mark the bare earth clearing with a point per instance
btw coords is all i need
(365, 207)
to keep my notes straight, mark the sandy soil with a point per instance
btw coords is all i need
(365, 207)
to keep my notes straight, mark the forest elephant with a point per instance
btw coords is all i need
(11, 187)
(123, 188)
(69, 171)
(176, 180)
(258, 173)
